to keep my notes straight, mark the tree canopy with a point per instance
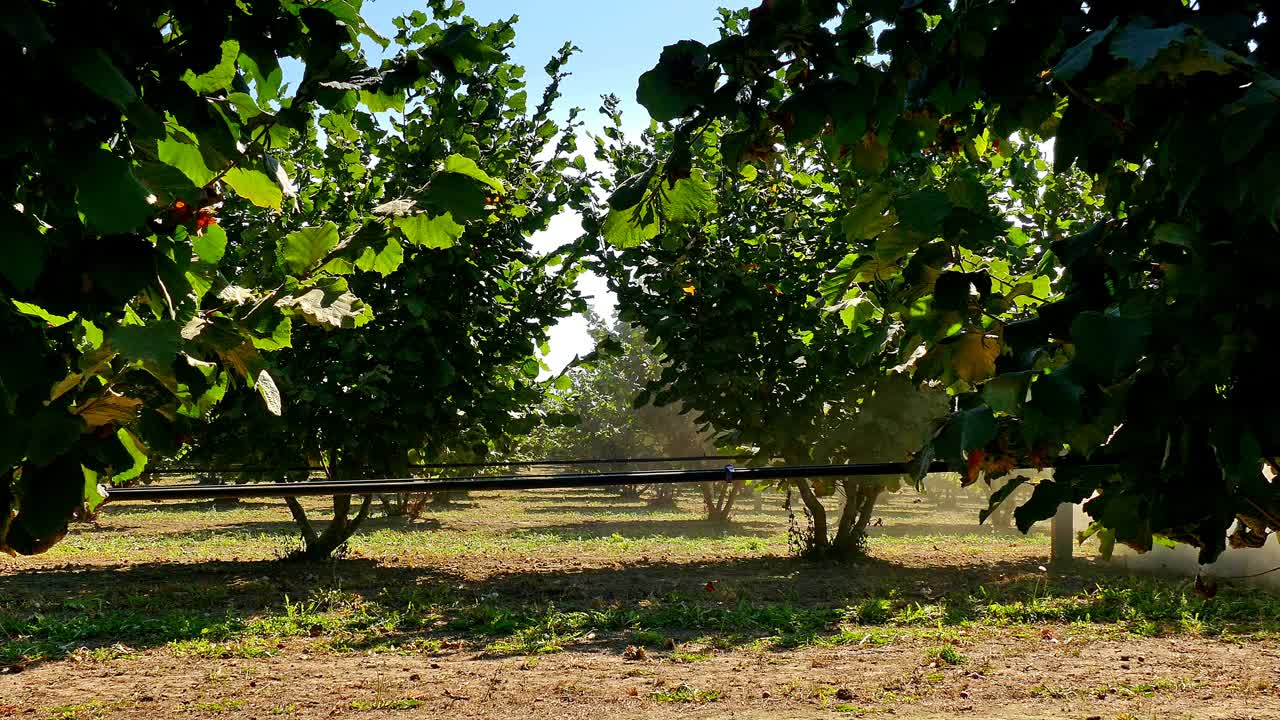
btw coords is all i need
(174, 211)
(1066, 211)
(1062, 213)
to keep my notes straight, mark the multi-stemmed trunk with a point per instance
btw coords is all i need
(860, 495)
(664, 496)
(324, 544)
(718, 499)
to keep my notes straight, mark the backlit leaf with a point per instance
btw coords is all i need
(210, 245)
(255, 186)
(220, 76)
(303, 249)
(436, 233)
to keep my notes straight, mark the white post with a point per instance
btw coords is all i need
(1062, 532)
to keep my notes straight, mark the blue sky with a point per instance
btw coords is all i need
(619, 40)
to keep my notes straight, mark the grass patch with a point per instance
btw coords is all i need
(217, 707)
(398, 704)
(690, 657)
(945, 655)
(83, 711)
(108, 625)
(685, 694)
(248, 610)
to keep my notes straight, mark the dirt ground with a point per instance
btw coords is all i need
(577, 552)
(1019, 679)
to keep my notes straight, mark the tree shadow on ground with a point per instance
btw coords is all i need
(281, 528)
(910, 529)
(194, 506)
(48, 612)
(644, 529)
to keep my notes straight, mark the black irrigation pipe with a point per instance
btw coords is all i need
(503, 482)
(441, 466)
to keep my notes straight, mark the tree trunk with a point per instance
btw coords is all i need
(819, 545)
(323, 545)
(718, 499)
(395, 504)
(860, 501)
(664, 496)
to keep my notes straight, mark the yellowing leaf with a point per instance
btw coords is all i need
(973, 356)
(64, 386)
(334, 309)
(107, 409)
(266, 387)
(689, 289)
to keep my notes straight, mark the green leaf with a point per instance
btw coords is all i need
(629, 228)
(894, 244)
(999, 496)
(22, 251)
(466, 166)
(22, 22)
(923, 211)
(1054, 404)
(837, 281)
(1077, 59)
(564, 382)
(111, 198)
(461, 196)
(437, 233)
(93, 69)
(1006, 393)
(1175, 234)
(1139, 43)
(53, 432)
(631, 191)
(136, 450)
(303, 249)
(220, 76)
(49, 495)
(382, 101)
(868, 218)
(690, 199)
(255, 186)
(384, 262)
(1042, 505)
(185, 155)
(1108, 346)
(328, 305)
(211, 245)
(244, 104)
(964, 432)
(805, 113)
(281, 335)
(348, 12)
(679, 82)
(35, 311)
(155, 342)
(856, 311)
(531, 368)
